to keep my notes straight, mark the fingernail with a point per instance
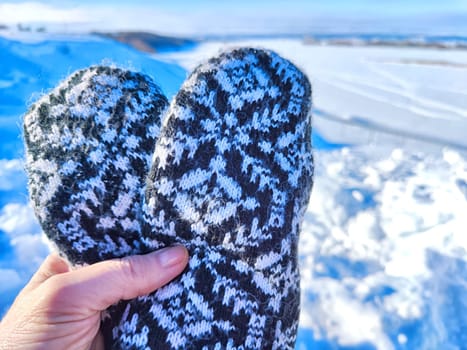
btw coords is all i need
(171, 256)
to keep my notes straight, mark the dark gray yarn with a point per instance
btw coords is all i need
(230, 179)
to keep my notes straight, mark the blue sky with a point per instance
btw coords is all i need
(382, 7)
(245, 16)
(343, 5)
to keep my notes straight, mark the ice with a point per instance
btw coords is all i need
(17, 219)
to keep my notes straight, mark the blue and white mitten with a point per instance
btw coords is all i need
(89, 146)
(231, 179)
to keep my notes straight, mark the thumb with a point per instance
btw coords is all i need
(51, 266)
(102, 284)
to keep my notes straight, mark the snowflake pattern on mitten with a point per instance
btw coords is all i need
(89, 146)
(230, 180)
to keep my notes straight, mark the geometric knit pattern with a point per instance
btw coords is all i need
(89, 147)
(231, 178)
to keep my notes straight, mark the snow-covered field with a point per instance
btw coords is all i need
(383, 249)
(383, 88)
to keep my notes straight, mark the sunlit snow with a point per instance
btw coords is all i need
(383, 249)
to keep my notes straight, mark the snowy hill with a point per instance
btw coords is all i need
(383, 249)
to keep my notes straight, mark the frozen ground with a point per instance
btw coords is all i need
(383, 249)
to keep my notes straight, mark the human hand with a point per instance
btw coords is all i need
(61, 308)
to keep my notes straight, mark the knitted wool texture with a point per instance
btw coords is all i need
(89, 148)
(231, 179)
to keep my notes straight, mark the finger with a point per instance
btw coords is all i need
(51, 266)
(98, 342)
(105, 283)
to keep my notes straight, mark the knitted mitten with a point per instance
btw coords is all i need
(231, 179)
(89, 148)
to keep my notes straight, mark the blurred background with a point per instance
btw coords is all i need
(383, 249)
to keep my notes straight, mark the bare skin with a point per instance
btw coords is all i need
(61, 308)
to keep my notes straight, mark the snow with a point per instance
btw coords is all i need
(386, 89)
(31, 66)
(10, 171)
(383, 209)
(354, 247)
(383, 252)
